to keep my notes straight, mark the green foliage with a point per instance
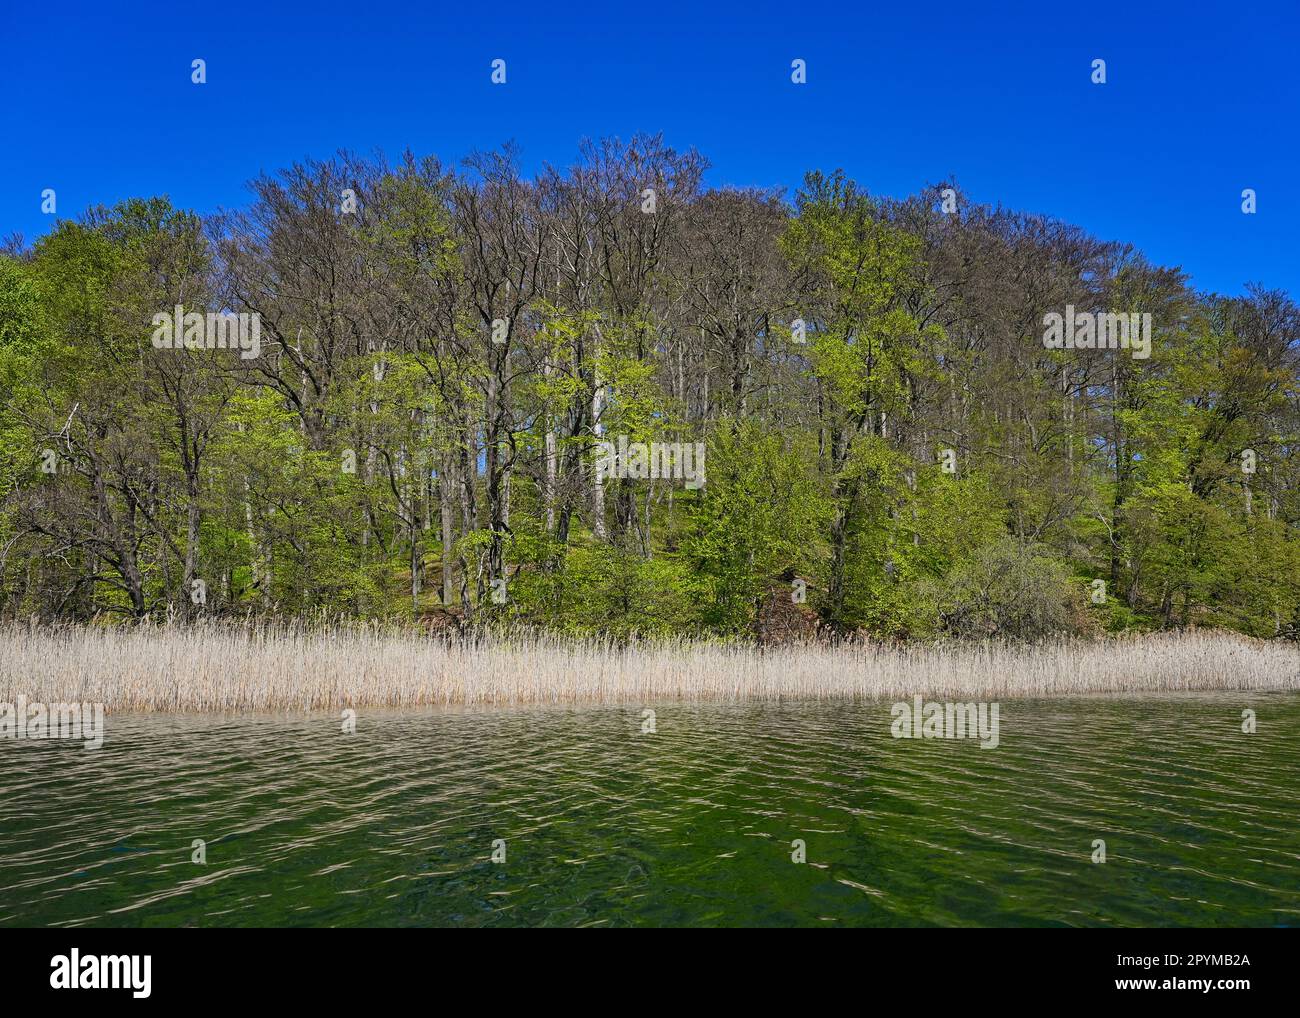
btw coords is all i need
(385, 454)
(608, 591)
(1008, 590)
(760, 515)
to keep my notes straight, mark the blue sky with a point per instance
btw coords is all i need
(1201, 101)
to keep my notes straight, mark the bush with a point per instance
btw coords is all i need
(1009, 590)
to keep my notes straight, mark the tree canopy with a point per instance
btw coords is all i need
(441, 352)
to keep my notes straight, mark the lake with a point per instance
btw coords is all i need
(691, 825)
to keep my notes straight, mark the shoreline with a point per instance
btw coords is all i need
(228, 669)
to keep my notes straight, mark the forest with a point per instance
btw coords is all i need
(889, 447)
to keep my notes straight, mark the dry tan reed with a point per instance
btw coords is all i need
(214, 668)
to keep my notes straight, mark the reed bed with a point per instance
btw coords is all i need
(242, 668)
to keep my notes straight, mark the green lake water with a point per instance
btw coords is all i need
(692, 825)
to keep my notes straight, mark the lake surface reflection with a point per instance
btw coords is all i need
(691, 825)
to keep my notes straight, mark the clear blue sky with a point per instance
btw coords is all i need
(1201, 101)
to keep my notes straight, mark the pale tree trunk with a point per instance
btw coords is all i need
(548, 494)
(448, 554)
(597, 484)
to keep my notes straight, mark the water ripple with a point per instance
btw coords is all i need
(692, 825)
